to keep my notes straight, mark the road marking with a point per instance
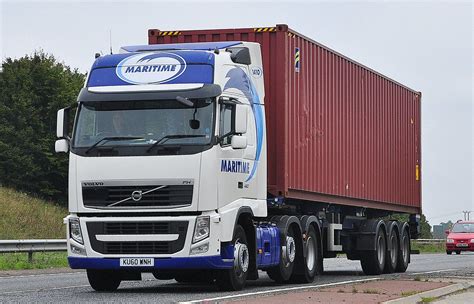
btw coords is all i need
(280, 290)
(434, 271)
(42, 289)
(38, 275)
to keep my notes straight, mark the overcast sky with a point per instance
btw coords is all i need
(424, 45)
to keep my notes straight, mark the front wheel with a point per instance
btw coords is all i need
(103, 280)
(234, 279)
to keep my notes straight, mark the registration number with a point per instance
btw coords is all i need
(462, 245)
(137, 262)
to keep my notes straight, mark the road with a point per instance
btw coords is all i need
(73, 286)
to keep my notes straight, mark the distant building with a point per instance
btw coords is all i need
(439, 230)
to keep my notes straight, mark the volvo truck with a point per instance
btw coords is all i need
(226, 154)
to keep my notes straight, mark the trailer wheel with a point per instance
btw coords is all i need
(404, 252)
(103, 280)
(392, 255)
(234, 279)
(284, 270)
(373, 261)
(311, 263)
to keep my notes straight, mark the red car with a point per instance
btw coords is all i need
(460, 238)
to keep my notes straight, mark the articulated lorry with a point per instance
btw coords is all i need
(214, 155)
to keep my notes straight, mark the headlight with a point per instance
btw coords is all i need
(201, 229)
(75, 230)
(472, 240)
(450, 241)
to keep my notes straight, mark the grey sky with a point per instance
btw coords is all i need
(424, 45)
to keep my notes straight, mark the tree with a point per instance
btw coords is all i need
(425, 227)
(32, 89)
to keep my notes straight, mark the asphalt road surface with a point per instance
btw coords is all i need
(73, 286)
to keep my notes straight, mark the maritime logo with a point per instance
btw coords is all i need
(151, 68)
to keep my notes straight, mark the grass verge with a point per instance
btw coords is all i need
(429, 248)
(26, 217)
(41, 260)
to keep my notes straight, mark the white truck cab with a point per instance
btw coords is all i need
(168, 148)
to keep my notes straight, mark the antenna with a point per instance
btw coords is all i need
(110, 40)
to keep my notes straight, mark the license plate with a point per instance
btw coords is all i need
(462, 245)
(137, 262)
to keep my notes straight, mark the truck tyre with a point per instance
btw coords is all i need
(283, 271)
(311, 261)
(373, 261)
(234, 279)
(403, 252)
(393, 254)
(103, 280)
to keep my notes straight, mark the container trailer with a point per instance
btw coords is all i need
(219, 153)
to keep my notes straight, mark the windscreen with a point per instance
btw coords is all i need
(144, 123)
(463, 228)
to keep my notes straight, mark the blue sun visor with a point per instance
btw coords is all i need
(153, 68)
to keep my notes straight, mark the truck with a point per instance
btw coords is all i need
(219, 155)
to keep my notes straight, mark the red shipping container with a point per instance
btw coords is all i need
(337, 131)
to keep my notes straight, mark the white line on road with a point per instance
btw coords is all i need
(434, 271)
(38, 275)
(280, 290)
(42, 289)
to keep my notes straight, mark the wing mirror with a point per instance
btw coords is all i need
(240, 122)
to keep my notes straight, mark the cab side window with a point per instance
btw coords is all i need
(225, 123)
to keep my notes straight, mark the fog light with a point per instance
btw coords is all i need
(200, 249)
(77, 250)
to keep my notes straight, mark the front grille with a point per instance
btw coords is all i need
(121, 196)
(137, 247)
(137, 228)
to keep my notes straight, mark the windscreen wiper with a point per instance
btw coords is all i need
(109, 138)
(165, 138)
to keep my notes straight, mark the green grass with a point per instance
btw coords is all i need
(26, 217)
(429, 248)
(428, 299)
(41, 260)
(409, 293)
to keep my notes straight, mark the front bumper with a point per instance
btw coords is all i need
(205, 262)
(97, 253)
(455, 247)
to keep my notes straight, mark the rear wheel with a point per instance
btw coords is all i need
(234, 278)
(404, 252)
(283, 271)
(448, 252)
(311, 261)
(373, 261)
(392, 256)
(103, 280)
